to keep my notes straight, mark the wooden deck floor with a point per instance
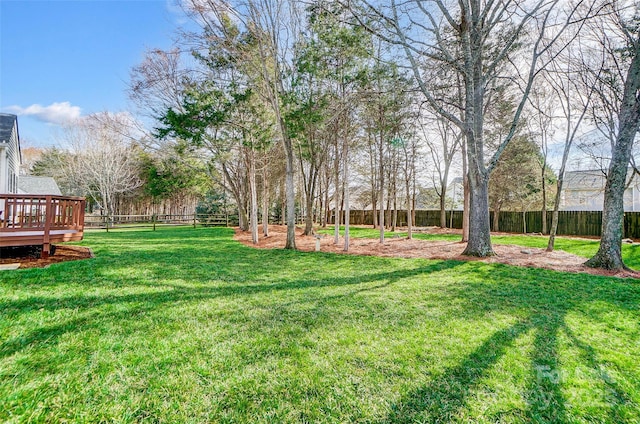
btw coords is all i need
(28, 238)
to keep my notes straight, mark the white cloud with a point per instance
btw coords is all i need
(55, 113)
(174, 7)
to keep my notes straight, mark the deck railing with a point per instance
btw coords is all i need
(23, 215)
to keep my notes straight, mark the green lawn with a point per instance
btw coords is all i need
(186, 325)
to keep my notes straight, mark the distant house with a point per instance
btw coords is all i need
(9, 153)
(584, 191)
(28, 184)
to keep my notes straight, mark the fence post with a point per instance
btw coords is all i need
(153, 221)
(194, 219)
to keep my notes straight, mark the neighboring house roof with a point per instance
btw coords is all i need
(28, 184)
(7, 122)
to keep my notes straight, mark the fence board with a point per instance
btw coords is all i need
(632, 225)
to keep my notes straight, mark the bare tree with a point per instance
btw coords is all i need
(443, 144)
(410, 147)
(104, 163)
(542, 126)
(573, 92)
(263, 56)
(622, 34)
(157, 83)
(477, 40)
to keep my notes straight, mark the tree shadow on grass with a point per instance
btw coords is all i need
(612, 395)
(542, 297)
(441, 400)
(94, 315)
(445, 397)
(544, 392)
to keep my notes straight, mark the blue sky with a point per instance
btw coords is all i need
(61, 59)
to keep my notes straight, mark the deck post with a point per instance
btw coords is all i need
(46, 241)
(80, 219)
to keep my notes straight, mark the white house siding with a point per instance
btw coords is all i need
(9, 153)
(582, 200)
(584, 191)
(4, 169)
(632, 198)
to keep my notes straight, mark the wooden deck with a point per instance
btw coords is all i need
(27, 220)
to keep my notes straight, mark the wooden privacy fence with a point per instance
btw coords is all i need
(423, 218)
(575, 223)
(570, 223)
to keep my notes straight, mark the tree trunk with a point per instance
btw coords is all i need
(336, 223)
(243, 221)
(544, 198)
(394, 220)
(290, 193)
(409, 211)
(310, 183)
(496, 218)
(609, 255)
(388, 210)
(554, 229)
(254, 197)
(465, 214)
(556, 202)
(381, 222)
(265, 203)
(443, 197)
(467, 199)
(347, 208)
(443, 207)
(337, 200)
(322, 221)
(479, 243)
(327, 209)
(308, 218)
(374, 210)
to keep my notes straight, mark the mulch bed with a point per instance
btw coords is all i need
(436, 249)
(62, 254)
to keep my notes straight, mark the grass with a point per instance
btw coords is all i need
(578, 246)
(185, 325)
